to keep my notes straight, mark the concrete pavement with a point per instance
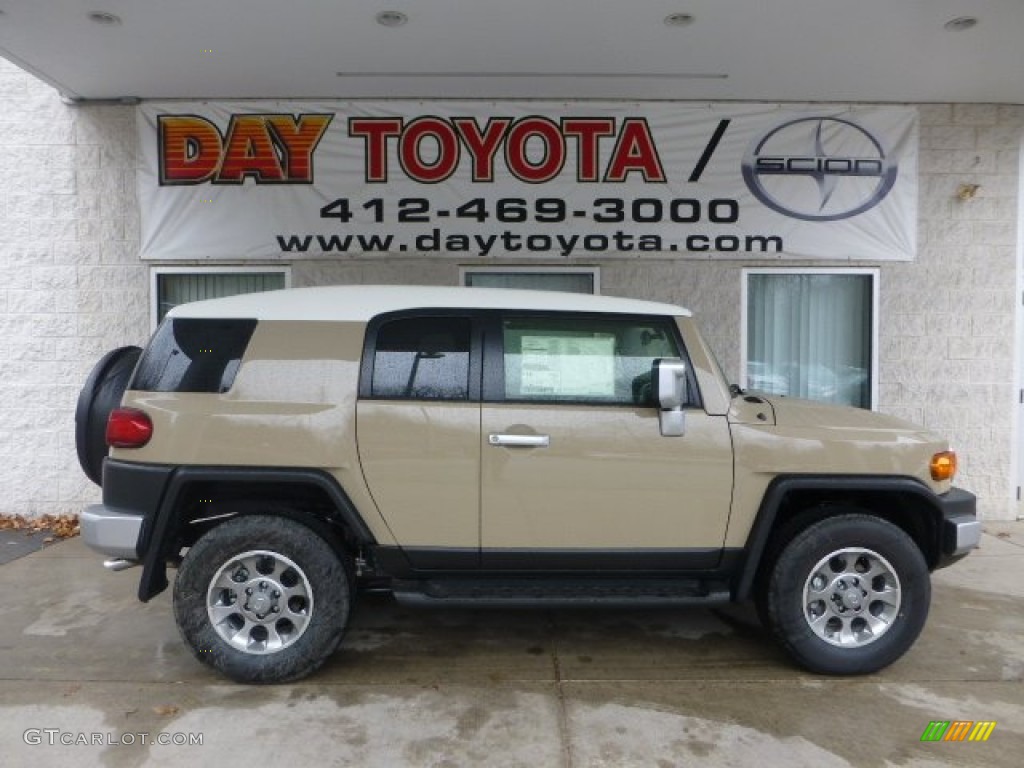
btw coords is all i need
(82, 661)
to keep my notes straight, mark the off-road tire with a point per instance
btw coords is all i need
(301, 557)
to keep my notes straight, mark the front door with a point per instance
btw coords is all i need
(575, 473)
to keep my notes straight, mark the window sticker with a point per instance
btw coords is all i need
(566, 366)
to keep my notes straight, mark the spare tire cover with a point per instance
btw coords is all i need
(100, 395)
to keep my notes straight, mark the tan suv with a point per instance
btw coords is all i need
(497, 447)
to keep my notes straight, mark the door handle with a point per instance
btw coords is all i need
(520, 441)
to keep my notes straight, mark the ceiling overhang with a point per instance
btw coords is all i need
(786, 50)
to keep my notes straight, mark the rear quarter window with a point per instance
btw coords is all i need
(193, 355)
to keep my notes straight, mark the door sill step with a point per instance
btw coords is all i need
(542, 593)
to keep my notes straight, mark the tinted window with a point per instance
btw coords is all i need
(423, 358)
(603, 360)
(193, 355)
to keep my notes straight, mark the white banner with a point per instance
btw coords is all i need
(289, 180)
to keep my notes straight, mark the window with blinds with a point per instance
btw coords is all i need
(812, 334)
(172, 287)
(569, 279)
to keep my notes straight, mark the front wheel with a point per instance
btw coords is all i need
(848, 595)
(262, 599)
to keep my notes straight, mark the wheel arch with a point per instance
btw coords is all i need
(793, 502)
(197, 499)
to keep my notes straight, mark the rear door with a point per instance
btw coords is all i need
(418, 424)
(575, 472)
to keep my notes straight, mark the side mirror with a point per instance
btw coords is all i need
(671, 391)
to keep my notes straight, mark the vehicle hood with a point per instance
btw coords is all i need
(840, 420)
(782, 434)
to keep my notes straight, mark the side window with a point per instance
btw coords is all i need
(581, 359)
(422, 358)
(193, 355)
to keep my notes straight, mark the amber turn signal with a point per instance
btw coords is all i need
(943, 465)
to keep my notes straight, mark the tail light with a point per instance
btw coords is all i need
(128, 428)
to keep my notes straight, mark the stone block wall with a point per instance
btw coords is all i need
(72, 286)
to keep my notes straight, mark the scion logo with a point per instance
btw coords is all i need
(819, 169)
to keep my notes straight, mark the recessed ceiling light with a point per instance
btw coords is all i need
(104, 18)
(391, 18)
(961, 23)
(679, 19)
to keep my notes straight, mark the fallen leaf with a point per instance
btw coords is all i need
(165, 710)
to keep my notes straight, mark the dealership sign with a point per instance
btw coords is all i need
(272, 180)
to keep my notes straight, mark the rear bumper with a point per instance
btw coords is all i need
(121, 526)
(111, 532)
(961, 528)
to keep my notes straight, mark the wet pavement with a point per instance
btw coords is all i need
(18, 543)
(87, 674)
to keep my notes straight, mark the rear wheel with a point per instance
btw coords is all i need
(848, 595)
(262, 599)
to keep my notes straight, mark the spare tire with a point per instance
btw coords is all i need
(101, 394)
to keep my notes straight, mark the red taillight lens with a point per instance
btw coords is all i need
(128, 428)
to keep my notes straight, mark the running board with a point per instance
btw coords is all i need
(561, 593)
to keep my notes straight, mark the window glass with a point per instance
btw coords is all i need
(584, 360)
(423, 358)
(174, 288)
(193, 355)
(810, 336)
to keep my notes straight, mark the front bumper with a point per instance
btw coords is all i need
(961, 528)
(111, 532)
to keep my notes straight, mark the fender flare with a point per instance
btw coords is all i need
(163, 528)
(781, 486)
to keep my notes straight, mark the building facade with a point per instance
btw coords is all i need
(945, 347)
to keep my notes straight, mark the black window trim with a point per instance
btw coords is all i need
(370, 347)
(487, 353)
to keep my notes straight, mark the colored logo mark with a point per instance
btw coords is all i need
(958, 730)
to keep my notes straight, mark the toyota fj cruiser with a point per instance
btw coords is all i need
(478, 446)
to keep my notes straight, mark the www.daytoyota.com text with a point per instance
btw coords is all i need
(685, 212)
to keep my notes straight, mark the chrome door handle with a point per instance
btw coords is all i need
(522, 441)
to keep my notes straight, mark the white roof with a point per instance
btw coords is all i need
(360, 303)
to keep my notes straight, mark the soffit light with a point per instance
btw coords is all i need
(105, 19)
(391, 18)
(961, 23)
(679, 20)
